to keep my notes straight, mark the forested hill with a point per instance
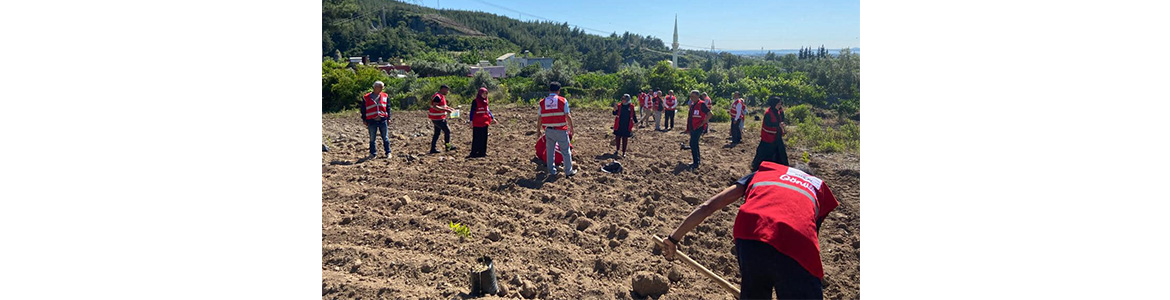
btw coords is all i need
(392, 29)
(596, 70)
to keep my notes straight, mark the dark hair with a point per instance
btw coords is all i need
(444, 87)
(554, 86)
(773, 100)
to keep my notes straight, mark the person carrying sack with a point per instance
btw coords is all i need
(557, 125)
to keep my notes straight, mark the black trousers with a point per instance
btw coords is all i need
(763, 270)
(669, 122)
(773, 152)
(479, 137)
(695, 134)
(440, 126)
(736, 133)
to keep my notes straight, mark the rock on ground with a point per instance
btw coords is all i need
(649, 284)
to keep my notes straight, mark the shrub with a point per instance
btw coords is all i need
(829, 146)
(798, 114)
(483, 78)
(719, 115)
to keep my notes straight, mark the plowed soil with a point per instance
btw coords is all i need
(558, 238)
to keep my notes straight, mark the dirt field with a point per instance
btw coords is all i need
(578, 238)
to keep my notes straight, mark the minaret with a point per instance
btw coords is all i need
(674, 46)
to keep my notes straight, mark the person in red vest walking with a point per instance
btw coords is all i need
(669, 104)
(376, 115)
(481, 117)
(438, 115)
(623, 124)
(775, 231)
(737, 112)
(772, 132)
(557, 125)
(697, 118)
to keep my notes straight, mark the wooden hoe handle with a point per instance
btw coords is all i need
(695, 265)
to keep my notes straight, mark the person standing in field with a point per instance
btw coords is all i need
(772, 132)
(481, 118)
(776, 231)
(697, 117)
(706, 99)
(737, 112)
(438, 115)
(669, 103)
(623, 124)
(557, 125)
(656, 102)
(643, 108)
(376, 115)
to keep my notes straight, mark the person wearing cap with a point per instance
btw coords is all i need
(623, 124)
(775, 231)
(772, 132)
(481, 118)
(438, 115)
(737, 112)
(670, 103)
(557, 124)
(697, 117)
(376, 115)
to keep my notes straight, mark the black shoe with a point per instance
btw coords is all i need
(433, 151)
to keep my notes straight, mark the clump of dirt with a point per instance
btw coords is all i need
(384, 221)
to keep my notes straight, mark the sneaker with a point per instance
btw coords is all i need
(450, 147)
(389, 155)
(433, 151)
(571, 172)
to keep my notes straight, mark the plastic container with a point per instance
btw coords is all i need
(455, 114)
(484, 282)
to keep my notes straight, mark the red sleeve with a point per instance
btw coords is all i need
(826, 200)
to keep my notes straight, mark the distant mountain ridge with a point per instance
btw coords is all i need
(855, 50)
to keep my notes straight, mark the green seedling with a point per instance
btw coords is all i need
(460, 230)
(804, 157)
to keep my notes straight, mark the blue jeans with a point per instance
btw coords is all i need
(763, 269)
(552, 137)
(374, 128)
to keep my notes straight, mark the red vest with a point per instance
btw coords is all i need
(781, 208)
(671, 102)
(437, 114)
(552, 112)
(617, 119)
(735, 104)
(697, 115)
(376, 109)
(768, 134)
(656, 102)
(481, 118)
(644, 100)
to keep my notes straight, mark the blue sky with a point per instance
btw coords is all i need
(733, 25)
